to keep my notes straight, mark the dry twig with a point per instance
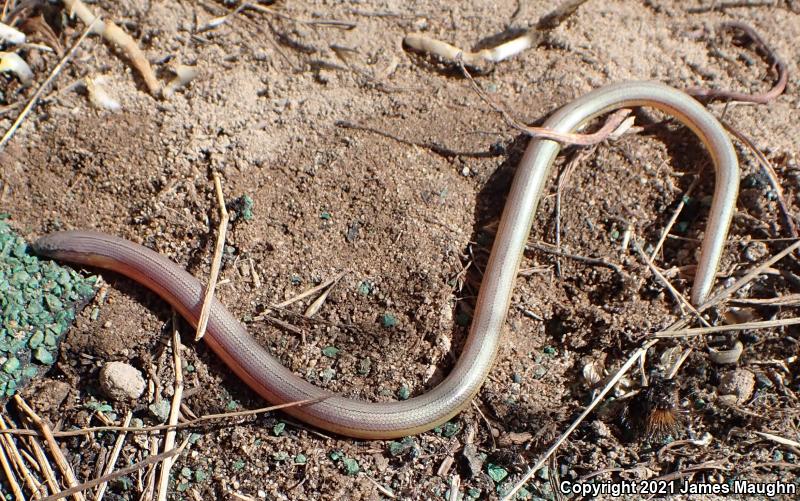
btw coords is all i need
(758, 98)
(680, 324)
(149, 429)
(480, 59)
(44, 465)
(77, 489)
(769, 171)
(175, 409)
(216, 263)
(10, 477)
(116, 35)
(314, 307)
(19, 465)
(750, 275)
(584, 259)
(149, 483)
(778, 439)
(332, 23)
(310, 292)
(734, 4)
(664, 281)
(386, 492)
(38, 94)
(428, 145)
(112, 460)
(563, 178)
(597, 399)
(673, 218)
(613, 122)
(55, 450)
(701, 331)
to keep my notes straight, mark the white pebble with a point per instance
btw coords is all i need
(121, 382)
(11, 35)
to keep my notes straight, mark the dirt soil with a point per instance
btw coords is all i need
(403, 222)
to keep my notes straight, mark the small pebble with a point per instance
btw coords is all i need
(121, 381)
(474, 461)
(739, 383)
(160, 409)
(755, 251)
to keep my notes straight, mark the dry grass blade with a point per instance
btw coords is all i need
(661, 278)
(429, 145)
(599, 398)
(750, 275)
(673, 371)
(44, 465)
(691, 470)
(673, 219)
(10, 477)
(734, 4)
(119, 473)
(149, 481)
(702, 331)
(489, 427)
(283, 325)
(216, 262)
(219, 21)
(774, 464)
(333, 23)
(386, 492)
(112, 460)
(778, 439)
(6, 8)
(55, 450)
(149, 429)
(31, 483)
(174, 411)
(540, 246)
(317, 304)
(38, 94)
(563, 179)
(310, 292)
(787, 300)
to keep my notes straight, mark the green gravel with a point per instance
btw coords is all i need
(38, 300)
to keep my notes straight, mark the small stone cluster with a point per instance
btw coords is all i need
(38, 300)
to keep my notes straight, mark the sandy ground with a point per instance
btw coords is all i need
(403, 223)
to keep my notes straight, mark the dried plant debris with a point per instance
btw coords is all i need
(10, 35)
(99, 95)
(38, 300)
(12, 63)
(116, 35)
(482, 59)
(183, 75)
